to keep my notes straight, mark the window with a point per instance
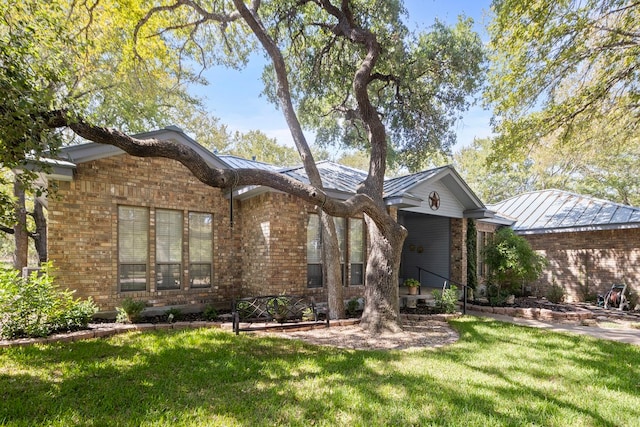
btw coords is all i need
(349, 230)
(168, 249)
(342, 243)
(133, 248)
(314, 252)
(200, 249)
(356, 251)
(484, 238)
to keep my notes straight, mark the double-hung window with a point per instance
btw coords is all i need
(133, 248)
(200, 249)
(356, 251)
(168, 249)
(351, 242)
(171, 262)
(314, 252)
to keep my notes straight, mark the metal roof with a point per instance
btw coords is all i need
(339, 180)
(400, 185)
(550, 211)
(236, 162)
(334, 176)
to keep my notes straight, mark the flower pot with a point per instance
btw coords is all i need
(413, 290)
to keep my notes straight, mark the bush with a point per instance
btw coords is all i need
(210, 313)
(512, 262)
(173, 315)
(446, 300)
(36, 307)
(130, 311)
(555, 293)
(497, 296)
(352, 306)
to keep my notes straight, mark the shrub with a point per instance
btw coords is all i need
(555, 293)
(352, 306)
(497, 297)
(129, 311)
(173, 314)
(446, 300)
(210, 313)
(511, 261)
(36, 307)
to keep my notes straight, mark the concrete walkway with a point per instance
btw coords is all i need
(624, 335)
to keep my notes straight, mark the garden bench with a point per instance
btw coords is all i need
(276, 311)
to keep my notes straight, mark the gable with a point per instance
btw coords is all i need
(455, 198)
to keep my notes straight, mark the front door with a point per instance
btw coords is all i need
(427, 246)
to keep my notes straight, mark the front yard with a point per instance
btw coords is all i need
(496, 374)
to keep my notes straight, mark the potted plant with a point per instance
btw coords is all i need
(412, 286)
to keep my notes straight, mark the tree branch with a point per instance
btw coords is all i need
(218, 178)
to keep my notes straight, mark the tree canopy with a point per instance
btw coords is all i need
(563, 69)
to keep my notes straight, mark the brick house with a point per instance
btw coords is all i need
(145, 228)
(590, 243)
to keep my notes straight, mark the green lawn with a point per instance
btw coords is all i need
(497, 374)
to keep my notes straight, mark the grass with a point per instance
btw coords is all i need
(497, 374)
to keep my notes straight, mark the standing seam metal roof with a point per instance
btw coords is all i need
(558, 210)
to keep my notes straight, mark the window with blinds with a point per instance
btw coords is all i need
(168, 249)
(351, 242)
(356, 251)
(200, 249)
(314, 252)
(133, 248)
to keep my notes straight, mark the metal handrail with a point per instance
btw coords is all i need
(464, 287)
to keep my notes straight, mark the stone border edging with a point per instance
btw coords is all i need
(442, 317)
(535, 313)
(104, 330)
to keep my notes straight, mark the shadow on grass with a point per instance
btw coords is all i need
(497, 374)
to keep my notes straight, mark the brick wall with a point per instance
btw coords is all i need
(83, 218)
(458, 251)
(589, 262)
(273, 246)
(264, 253)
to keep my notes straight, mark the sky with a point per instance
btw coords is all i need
(234, 96)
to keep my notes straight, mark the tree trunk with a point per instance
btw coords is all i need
(40, 236)
(381, 310)
(20, 234)
(330, 248)
(331, 264)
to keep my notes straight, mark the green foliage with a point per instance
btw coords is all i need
(352, 306)
(420, 81)
(411, 283)
(307, 315)
(173, 314)
(511, 261)
(497, 297)
(64, 59)
(447, 299)
(129, 311)
(36, 307)
(493, 182)
(562, 69)
(210, 313)
(555, 293)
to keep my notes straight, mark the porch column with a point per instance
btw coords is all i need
(458, 250)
